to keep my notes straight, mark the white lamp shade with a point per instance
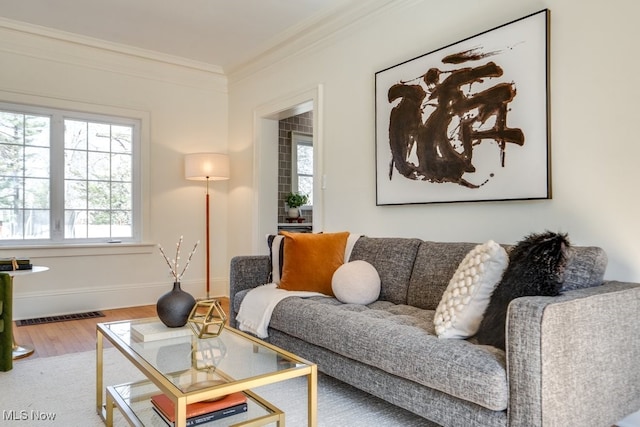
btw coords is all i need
(206, 166)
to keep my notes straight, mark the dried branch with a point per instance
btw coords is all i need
(193, 251)
(175, 263)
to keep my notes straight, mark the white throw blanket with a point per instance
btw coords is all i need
(257, 306)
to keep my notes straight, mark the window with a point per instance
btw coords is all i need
(67, 176)
(302, 164)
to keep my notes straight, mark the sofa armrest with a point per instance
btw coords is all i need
(573, 359)
(246, 272)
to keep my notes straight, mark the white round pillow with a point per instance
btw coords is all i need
(356, 282)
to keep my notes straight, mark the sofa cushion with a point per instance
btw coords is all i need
(393, 258)
(310, 260)
(436, 262)
(585, 267)
(464, 301)
(434, 267)
(356, 282)
(401, 340)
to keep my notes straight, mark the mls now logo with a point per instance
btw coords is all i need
(25, 415)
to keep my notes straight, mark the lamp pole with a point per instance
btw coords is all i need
(207, 167)
(207, 237)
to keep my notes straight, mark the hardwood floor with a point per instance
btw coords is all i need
(73, 336)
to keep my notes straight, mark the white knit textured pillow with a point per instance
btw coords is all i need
(468, 294)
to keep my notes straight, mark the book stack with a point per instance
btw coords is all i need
(201, 412)
(13, 264)
(155, 331)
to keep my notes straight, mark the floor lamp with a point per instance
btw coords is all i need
(206, 167)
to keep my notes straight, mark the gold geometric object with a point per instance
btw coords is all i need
(207, 318)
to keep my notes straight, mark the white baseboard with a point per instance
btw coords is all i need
(55, 302)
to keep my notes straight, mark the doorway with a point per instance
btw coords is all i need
(295, 170)
(267, 184)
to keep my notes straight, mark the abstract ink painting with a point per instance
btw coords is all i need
(467, 122)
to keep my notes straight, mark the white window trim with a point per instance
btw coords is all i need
(41, 105)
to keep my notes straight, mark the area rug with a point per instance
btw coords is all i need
(60, 391)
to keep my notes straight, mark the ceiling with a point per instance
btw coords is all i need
(223, 33)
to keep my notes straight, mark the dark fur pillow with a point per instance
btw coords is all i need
(536, 267)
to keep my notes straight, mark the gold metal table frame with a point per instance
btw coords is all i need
(107, 398)
(21, 351)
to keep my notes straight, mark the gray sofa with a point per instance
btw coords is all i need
(571, 360)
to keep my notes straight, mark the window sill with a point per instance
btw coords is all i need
(89, 249)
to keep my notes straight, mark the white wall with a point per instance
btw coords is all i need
(593, 121)
(187, 109)
(184, 110)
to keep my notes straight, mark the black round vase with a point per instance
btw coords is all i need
(175, 306)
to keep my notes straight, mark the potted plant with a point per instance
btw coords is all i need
(294, 201)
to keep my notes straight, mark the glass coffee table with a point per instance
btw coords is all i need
(188, 369)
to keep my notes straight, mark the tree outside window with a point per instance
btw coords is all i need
(70, 181)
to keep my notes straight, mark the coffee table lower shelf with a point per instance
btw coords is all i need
(134, 402)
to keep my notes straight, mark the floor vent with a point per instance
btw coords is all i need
(63, 318)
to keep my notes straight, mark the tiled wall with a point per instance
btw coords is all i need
(300, 123)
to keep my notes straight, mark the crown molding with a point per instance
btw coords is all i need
(301, 38)
(313, 34)
(51, 33)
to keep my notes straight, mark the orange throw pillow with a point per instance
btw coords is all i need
(311, 259)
